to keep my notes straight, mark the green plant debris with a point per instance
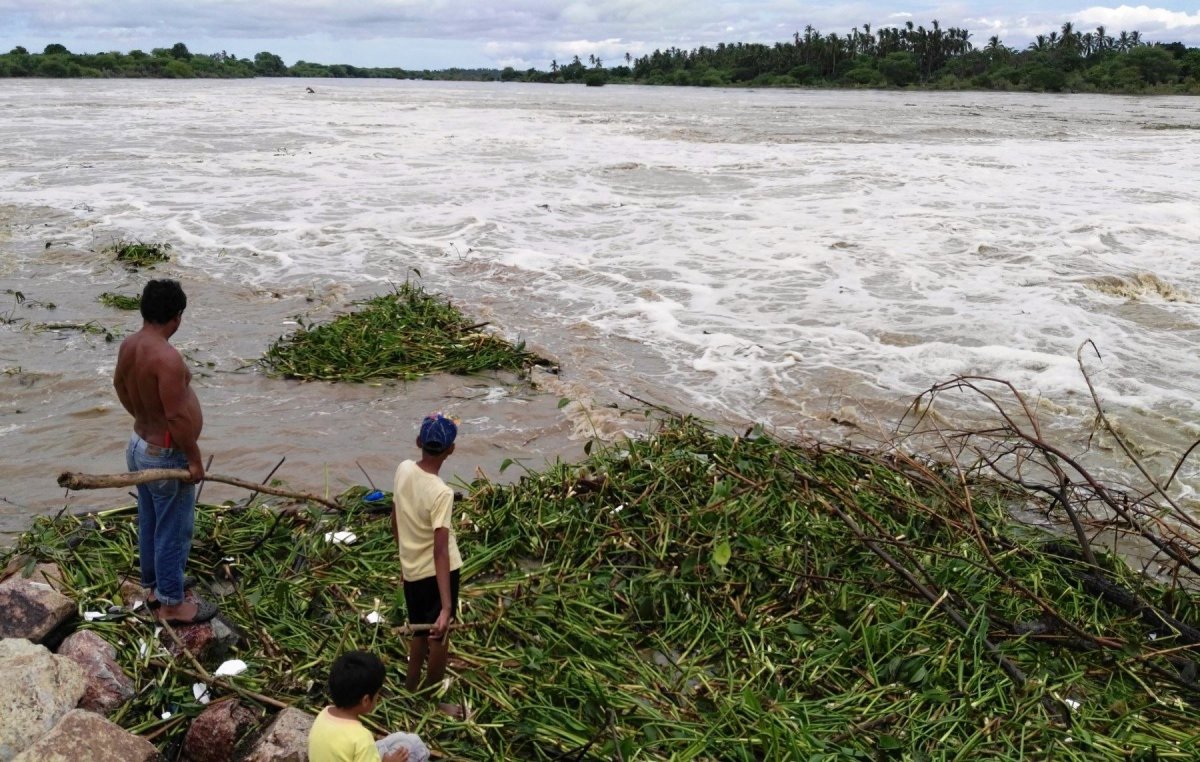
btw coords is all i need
(688, 596)
(404, 334)
(90, 328)
(120, 301)
(136, 254)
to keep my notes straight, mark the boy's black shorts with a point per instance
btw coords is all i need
(424, 602)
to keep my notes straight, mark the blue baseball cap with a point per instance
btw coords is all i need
(437, 433)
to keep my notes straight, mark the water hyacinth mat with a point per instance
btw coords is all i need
(687, 596)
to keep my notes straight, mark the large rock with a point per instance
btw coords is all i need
(30, 607)
(107, 685)
(214, 734)
(83, 735)
(208, 641)
(37, 688)
(285, 740)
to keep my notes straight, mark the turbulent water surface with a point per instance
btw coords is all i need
(810, 260)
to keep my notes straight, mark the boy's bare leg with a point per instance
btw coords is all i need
(438, 651)
(417, 647)
(437, 660)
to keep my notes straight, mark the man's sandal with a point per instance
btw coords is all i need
(188, 583)
(204, 612)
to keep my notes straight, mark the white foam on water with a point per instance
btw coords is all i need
(760, 248)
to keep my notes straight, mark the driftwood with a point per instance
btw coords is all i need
(72, 480)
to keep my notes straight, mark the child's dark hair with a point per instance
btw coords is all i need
(353, 675)
(162, 300)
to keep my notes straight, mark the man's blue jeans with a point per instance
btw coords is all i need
(166, 519)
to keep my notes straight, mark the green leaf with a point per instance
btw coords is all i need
(563, 402)
(799, 630)
(889, 742)
(722, 553)
(587, 447)
(504, 464)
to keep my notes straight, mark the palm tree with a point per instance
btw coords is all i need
(1069, 40)
(1087, 43)
(1135, 38)
(1039, 43)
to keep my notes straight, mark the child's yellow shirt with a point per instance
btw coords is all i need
(423, 503)
(333, 739)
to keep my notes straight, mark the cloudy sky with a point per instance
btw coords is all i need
(495, 33)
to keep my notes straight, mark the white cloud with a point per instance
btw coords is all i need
(1140, 17)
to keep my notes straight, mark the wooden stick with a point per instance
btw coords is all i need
(72, 480)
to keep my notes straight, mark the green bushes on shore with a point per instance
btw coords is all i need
(690, 596)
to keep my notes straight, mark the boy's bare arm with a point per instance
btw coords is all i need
(396, 536)
(441, 569)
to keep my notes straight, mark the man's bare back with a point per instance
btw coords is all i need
(153, 383)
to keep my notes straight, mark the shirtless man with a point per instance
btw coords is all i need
(152, 382)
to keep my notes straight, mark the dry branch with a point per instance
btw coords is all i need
(77, 481)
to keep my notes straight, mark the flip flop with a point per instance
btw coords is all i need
(204, 612)
(188, 583)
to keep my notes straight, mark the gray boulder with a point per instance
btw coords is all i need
(88, 736)
(107, 685)
(285, 740)
(30, 607)
(37, 689)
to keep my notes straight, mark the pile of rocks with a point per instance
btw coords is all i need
(54, 706)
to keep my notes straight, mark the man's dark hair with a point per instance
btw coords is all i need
(162, 300)
(355, 674)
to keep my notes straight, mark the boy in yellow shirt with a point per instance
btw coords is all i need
(355, 681)
(429, 558)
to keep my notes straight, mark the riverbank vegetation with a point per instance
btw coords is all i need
(405, 334)
(691, 595)
(894, 56)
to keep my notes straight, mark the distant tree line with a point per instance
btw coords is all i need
(55, 61)
(892, 56)
(911, 56)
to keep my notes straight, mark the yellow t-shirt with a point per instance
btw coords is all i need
(334, 739)
(422, 504)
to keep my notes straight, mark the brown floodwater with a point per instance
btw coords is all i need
(58, 411)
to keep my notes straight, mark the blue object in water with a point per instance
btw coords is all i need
(372, 497)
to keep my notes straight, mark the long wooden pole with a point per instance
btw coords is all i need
(72, 480)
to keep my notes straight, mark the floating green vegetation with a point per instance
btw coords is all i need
(691, 596)
(120, 301)
(135, 254)
(90, 328)
(405, 334)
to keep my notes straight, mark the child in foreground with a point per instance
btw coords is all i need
(355, 681)
(429, 558)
